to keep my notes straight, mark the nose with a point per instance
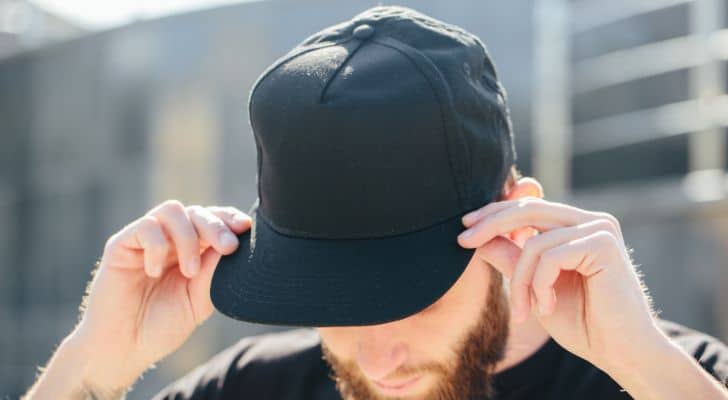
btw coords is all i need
(380, 352)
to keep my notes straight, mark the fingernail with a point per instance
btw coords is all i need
(469, 215)
(240, 219)
(193, 267)
(466, 234)
(156, 270)
(227, 239)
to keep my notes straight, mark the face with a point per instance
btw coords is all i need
(446, 351)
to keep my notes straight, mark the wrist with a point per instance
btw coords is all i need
(655, 372)
(100, 370)
(652, 348)
(68, 375)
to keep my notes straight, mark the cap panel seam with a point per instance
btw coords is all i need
(283, 60)
(280, 61)
(450, 127)
(370, 236)
(336, 72)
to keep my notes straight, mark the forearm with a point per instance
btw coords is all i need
(70, 375)
(666, 372)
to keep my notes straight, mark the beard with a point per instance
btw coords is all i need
(467, 376)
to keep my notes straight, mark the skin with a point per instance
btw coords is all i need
(151, 290)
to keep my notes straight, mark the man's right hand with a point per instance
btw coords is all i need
(152, 288)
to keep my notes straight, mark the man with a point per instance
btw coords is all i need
(391, 218)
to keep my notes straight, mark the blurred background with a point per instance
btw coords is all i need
(108, 108)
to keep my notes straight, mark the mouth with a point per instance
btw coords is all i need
(396, 388)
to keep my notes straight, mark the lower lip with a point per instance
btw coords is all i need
(397, 390)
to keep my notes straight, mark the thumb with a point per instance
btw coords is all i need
(199, 286)
(502, 253)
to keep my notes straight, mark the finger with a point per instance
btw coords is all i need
(534, 247)
(199, 286)
(582, 255)
(175, 221)
(501, 253)
(232, 218)
(212, 229)
(156, 246)
(237, 220)
(141, 242)
(476, 215)
(539, 214)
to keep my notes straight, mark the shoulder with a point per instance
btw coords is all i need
(263, 366)
(710, 352)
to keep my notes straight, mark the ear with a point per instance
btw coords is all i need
(523, 187)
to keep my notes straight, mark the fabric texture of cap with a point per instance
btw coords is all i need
(374, 137)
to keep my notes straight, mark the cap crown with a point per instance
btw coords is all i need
(382, 125)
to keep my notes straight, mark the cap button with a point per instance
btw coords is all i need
(363, 31)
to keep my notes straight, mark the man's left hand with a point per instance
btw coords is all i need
(575, 274)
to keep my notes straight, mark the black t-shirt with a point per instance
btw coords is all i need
(289, 365)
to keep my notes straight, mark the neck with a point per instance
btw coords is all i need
(523, 340)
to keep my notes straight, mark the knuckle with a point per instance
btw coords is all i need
(148, 220)
(530, 201)
(233, 212)
(111, 242)
(606, 238)
(200, 214)
(194, 209)
(486, 209)
(173, 205)
(218, 226)
(611, 218)
(151, 228)
(213, 208)
(606, 225)
(525, 202)
(230, 210)
(207, 220)
(530, 210)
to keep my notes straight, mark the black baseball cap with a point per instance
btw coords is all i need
(374, 137)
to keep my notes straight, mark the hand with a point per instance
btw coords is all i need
(576, 272)
(152, 286)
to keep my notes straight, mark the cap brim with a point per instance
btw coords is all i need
(277, 279)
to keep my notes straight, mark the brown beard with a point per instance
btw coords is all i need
(468, 376)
